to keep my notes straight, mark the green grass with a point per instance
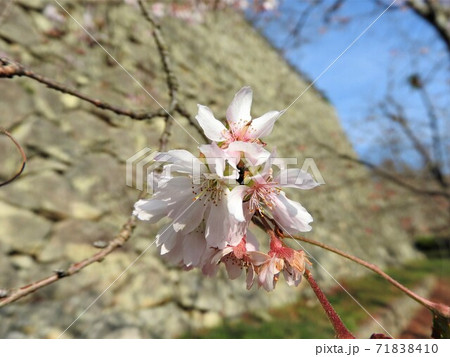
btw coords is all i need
(300, 321)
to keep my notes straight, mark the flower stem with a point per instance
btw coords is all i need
(435, 308)
(339, 327)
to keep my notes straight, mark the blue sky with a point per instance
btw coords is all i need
(397, 45)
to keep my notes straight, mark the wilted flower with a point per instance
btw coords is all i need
(282, 259)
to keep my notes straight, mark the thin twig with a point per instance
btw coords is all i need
(183, 112)
(432, 306)
(22, 153)
(339, 328)
(10, 69)
(123, 236)
(171, 78)
(387, 175)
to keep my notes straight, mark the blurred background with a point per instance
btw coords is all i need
(367, 86)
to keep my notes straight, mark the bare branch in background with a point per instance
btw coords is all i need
(123, 236)
(389, 176)
(10, 69)
(436, 13)
(434, 307)
(171, 78)
(22, 154)
(399, 117)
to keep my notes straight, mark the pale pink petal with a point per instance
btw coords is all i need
(210, 267)
(194, 245)
(254, 153)
(183, 161)
(212, 127)
(238, 113)
(252, 243)
(167, 238)
(175, 255)
(150, 210)
(291, 215)
(258, 258)
(267, 274)
(234, 268)
(220, 254)
(235, 202)
(292, 276)
(250, 277)
(215, 157)
(176, 189)
(237, 230)
(216, 228)
(296, 178)
(191, 216)
(263, 125)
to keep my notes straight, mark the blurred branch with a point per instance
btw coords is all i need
(123, 236)
(180, 109)
(436, 308)
(436, 13)
(171, 78)
(22, 153)
(436, 140)
(10, 69)
(389, 176)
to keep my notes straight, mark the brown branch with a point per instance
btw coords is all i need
(436, 13)
(387, 175)
(434, 307)
(184, 113)
(171, 79)
(22, 153)
(10, 69)
(399, 118)
(339, 328)
(123, 236)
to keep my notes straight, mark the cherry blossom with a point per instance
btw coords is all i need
(264, 194)
(189, 200)
(281, 259)
(211, 200)
(241, 126)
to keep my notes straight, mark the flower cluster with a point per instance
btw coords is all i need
(212, 198)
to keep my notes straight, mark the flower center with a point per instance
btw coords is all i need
(263, 194)
(209, 191)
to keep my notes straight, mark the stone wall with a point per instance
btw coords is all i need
(73, 190)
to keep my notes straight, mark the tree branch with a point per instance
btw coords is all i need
(436, 14)
(22, 153)
(434, 307)
(171, 79)
(123, 236)
(387, 175)
(10, 69)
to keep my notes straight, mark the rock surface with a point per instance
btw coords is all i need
(73, 191)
